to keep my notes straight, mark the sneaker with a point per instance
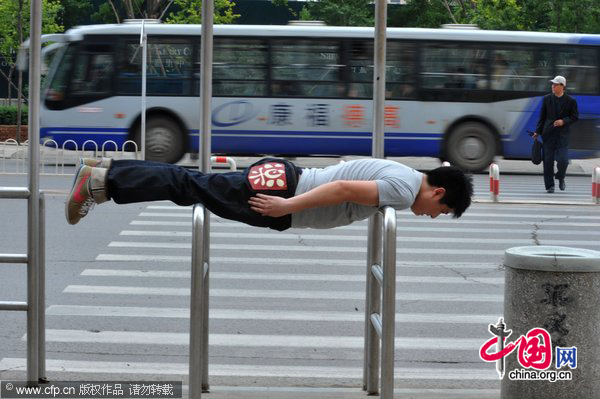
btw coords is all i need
(550, 190)
(96, 163)
(80, 200)
(562, 185)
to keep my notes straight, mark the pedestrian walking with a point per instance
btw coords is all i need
(558, 112)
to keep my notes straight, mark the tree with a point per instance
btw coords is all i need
(419, 14)
(14, 26)
(346, 13)
(190, 12)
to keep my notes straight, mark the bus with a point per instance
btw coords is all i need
(463, 95)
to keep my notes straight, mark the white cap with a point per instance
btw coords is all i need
(560, 80)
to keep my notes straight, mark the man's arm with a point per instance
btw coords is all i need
(332, 193)
(574, 114)
(540, 125)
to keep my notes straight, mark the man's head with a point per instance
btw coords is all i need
(446, 189)
(559, 83)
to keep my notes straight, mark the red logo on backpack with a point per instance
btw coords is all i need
(268, 176)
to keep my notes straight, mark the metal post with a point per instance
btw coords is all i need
(379, 79)
(200, 285)
(196, 304)
(373, 303)
(33, 218)
(42, 291)
(144, 45)
(388, 311)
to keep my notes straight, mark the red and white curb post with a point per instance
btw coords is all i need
(596, 185)
(223, 160)
(494, 182)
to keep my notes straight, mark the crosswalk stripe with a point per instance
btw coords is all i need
(348, 278)
(527, 240)
(251, 340)
(401, 215)
(288, 261)
(286, 249)
(281, 294)
(252, 370)
(276, 315)
(401, 230)
(363, 227)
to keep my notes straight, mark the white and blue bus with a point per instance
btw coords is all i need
(462, 95)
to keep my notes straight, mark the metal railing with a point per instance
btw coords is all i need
(54, 158)
(199, 296)
(380, 309)
(35, 304)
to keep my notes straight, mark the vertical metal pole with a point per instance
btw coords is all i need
(388, 313)
(42, 291)
(196, 304)
(379, 79)
(33, 224)
(372, 350)
(205, 299)
(144, 45)
(206, 84)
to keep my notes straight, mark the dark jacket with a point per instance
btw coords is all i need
(568, 113)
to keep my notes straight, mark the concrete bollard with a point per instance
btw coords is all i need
(556, 289)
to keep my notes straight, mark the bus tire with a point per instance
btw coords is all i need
(471, 146)
(164, 140)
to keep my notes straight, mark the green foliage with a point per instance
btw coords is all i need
(419, 14)
(496, 14)
(531, 15)
(9, 35)
(8, 115)
(190, 12)
(346, 13)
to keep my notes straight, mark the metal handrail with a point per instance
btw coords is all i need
(35, 304)
(380, 309)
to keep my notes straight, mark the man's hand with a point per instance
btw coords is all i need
(268, 205)
(534, 135)
(559, 123)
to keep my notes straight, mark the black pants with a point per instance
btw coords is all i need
(555, 149)
(224, 194)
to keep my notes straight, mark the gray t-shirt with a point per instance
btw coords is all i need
(397, 185)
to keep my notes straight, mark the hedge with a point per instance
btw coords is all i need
(8, 115)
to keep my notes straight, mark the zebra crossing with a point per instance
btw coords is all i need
(287, 309)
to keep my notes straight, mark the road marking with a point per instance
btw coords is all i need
(239, 370)
(280, 294)
(345, 278)
(277, 315)
(294, 262)
(253, 341)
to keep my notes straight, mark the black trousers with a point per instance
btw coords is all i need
(224, 194)
(556, 147)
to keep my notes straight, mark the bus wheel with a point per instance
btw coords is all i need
(164, 140)
(471, 146)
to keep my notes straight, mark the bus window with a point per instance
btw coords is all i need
(453, 67)
(57, 87)
(360, 64)
(520, 69)
(168, 67)
(400, 70)
(92, 74)
(306, 68)
(239, 67)
(580, 67)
